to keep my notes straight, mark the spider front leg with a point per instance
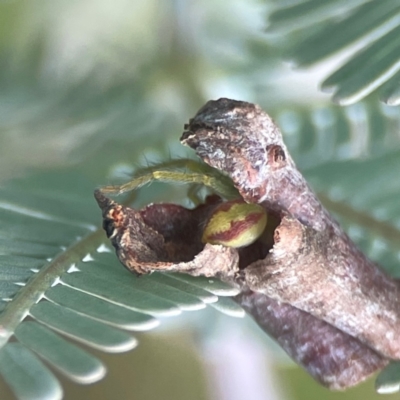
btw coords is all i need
(178, 171)
(233, 223)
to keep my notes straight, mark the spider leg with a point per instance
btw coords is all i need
(193, 194)
(178, 171)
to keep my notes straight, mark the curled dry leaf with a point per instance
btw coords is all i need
(166, 237)
(306, 284)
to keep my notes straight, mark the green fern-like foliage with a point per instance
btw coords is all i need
(63, 294)
(59, 279)
(368, 30)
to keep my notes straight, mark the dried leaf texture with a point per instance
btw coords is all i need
(166, 237)
(151, 240)
(332, 357)
(313, 265)
(329, 307)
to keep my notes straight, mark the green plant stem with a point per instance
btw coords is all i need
(35, 288)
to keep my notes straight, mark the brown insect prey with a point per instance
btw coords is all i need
(330, 308)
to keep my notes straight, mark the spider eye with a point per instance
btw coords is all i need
(108, 226)
(235, 224)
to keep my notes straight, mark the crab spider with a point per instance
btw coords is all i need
(233, 223)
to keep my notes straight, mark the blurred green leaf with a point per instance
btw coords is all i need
(326, 28)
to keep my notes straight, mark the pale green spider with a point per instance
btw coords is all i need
(233, 223)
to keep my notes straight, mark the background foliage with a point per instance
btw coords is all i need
(89, 90)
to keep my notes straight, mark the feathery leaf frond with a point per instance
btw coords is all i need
(58, 280)
(323, 29)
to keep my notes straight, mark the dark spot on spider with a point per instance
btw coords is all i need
(276, 156)
(108, 226)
